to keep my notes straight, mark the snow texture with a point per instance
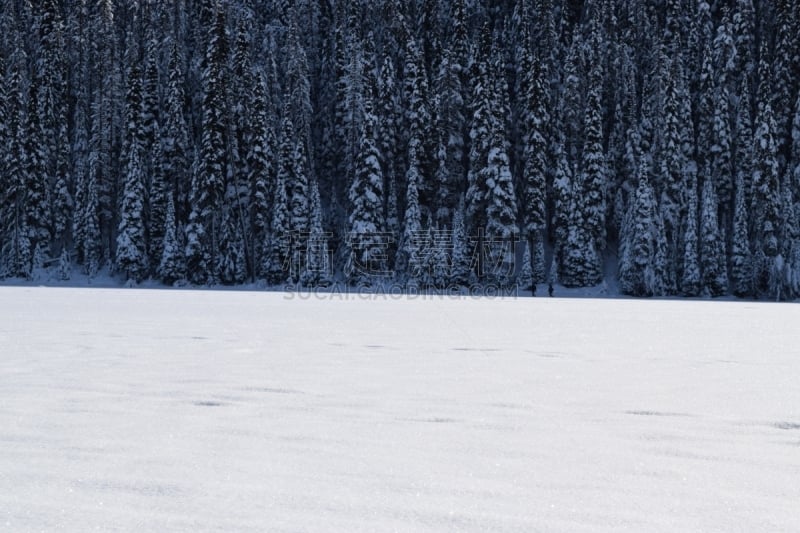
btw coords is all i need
(167, 410)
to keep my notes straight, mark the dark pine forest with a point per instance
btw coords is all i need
(430, 143)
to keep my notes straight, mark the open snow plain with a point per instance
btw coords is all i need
(158, 410)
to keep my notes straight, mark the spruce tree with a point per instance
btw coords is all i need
(743, 153)
(534, 177)
(410, 263)
(786, 62)
(5, 144)
(741, 261)
(171, 267)
(525, 278)
(212, 166)
(92, 245)
(712, 249)
(292, 172)
(151, 101)
(672, 168)
(452, 128)
(766, 180)
(231, 261)
(562, 202)
(389, 141)
(481, 125)
(317, 265)
(501, 213)
(262, 166)
(794, 166)
(593, 165)
(367, 239)
(637, 268)
(690, 282)
(131, 254)
(460, 254)
(170, 161)
(419, 118)
(38, 214)
(51, 74)
(744, 28)
(722, 167)
(276, 257)
(12, 218)
(580, 262)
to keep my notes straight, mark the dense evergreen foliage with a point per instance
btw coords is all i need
(433, 142)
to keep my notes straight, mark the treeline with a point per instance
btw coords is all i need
(228, 141)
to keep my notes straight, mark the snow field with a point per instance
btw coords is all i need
(160, 410)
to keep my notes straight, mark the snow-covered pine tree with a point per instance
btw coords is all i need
(242, 106)
(418, 119)
(690, 283)
(410, 263)
(637, 274)
(460, 254)
(342, 142)
(298, 188)
(12, 163)
(743, 150)
(293, 166)
(562, 202)
(621, 170)
(131, 257)
(171, 267)
(572, 105)
(90, 219)
(367, 227)
(537, 258)
(262, 166)
(170, 177)
(194, 254)
(744, 30)
(231, 260)
(276, 257)
(452, 126)
(298, 85)
(131, 254)
(151, 101)
(672, 167)
(4, 143)
(107, 64)
(501, 214)
(317, 266)
(389, 141)
(722, 166)
(783, 285)
(438, 267)
(38, 213)
(481, 124)
(212, 164)
(51, 72)
(766, 179)
(593, 164)
(785, 65)
(712, 246)
(64, 266)
(535, 168)
(794, 162)
(580, 262)
(525, 278)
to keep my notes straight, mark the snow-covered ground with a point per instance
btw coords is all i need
(160, 410)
